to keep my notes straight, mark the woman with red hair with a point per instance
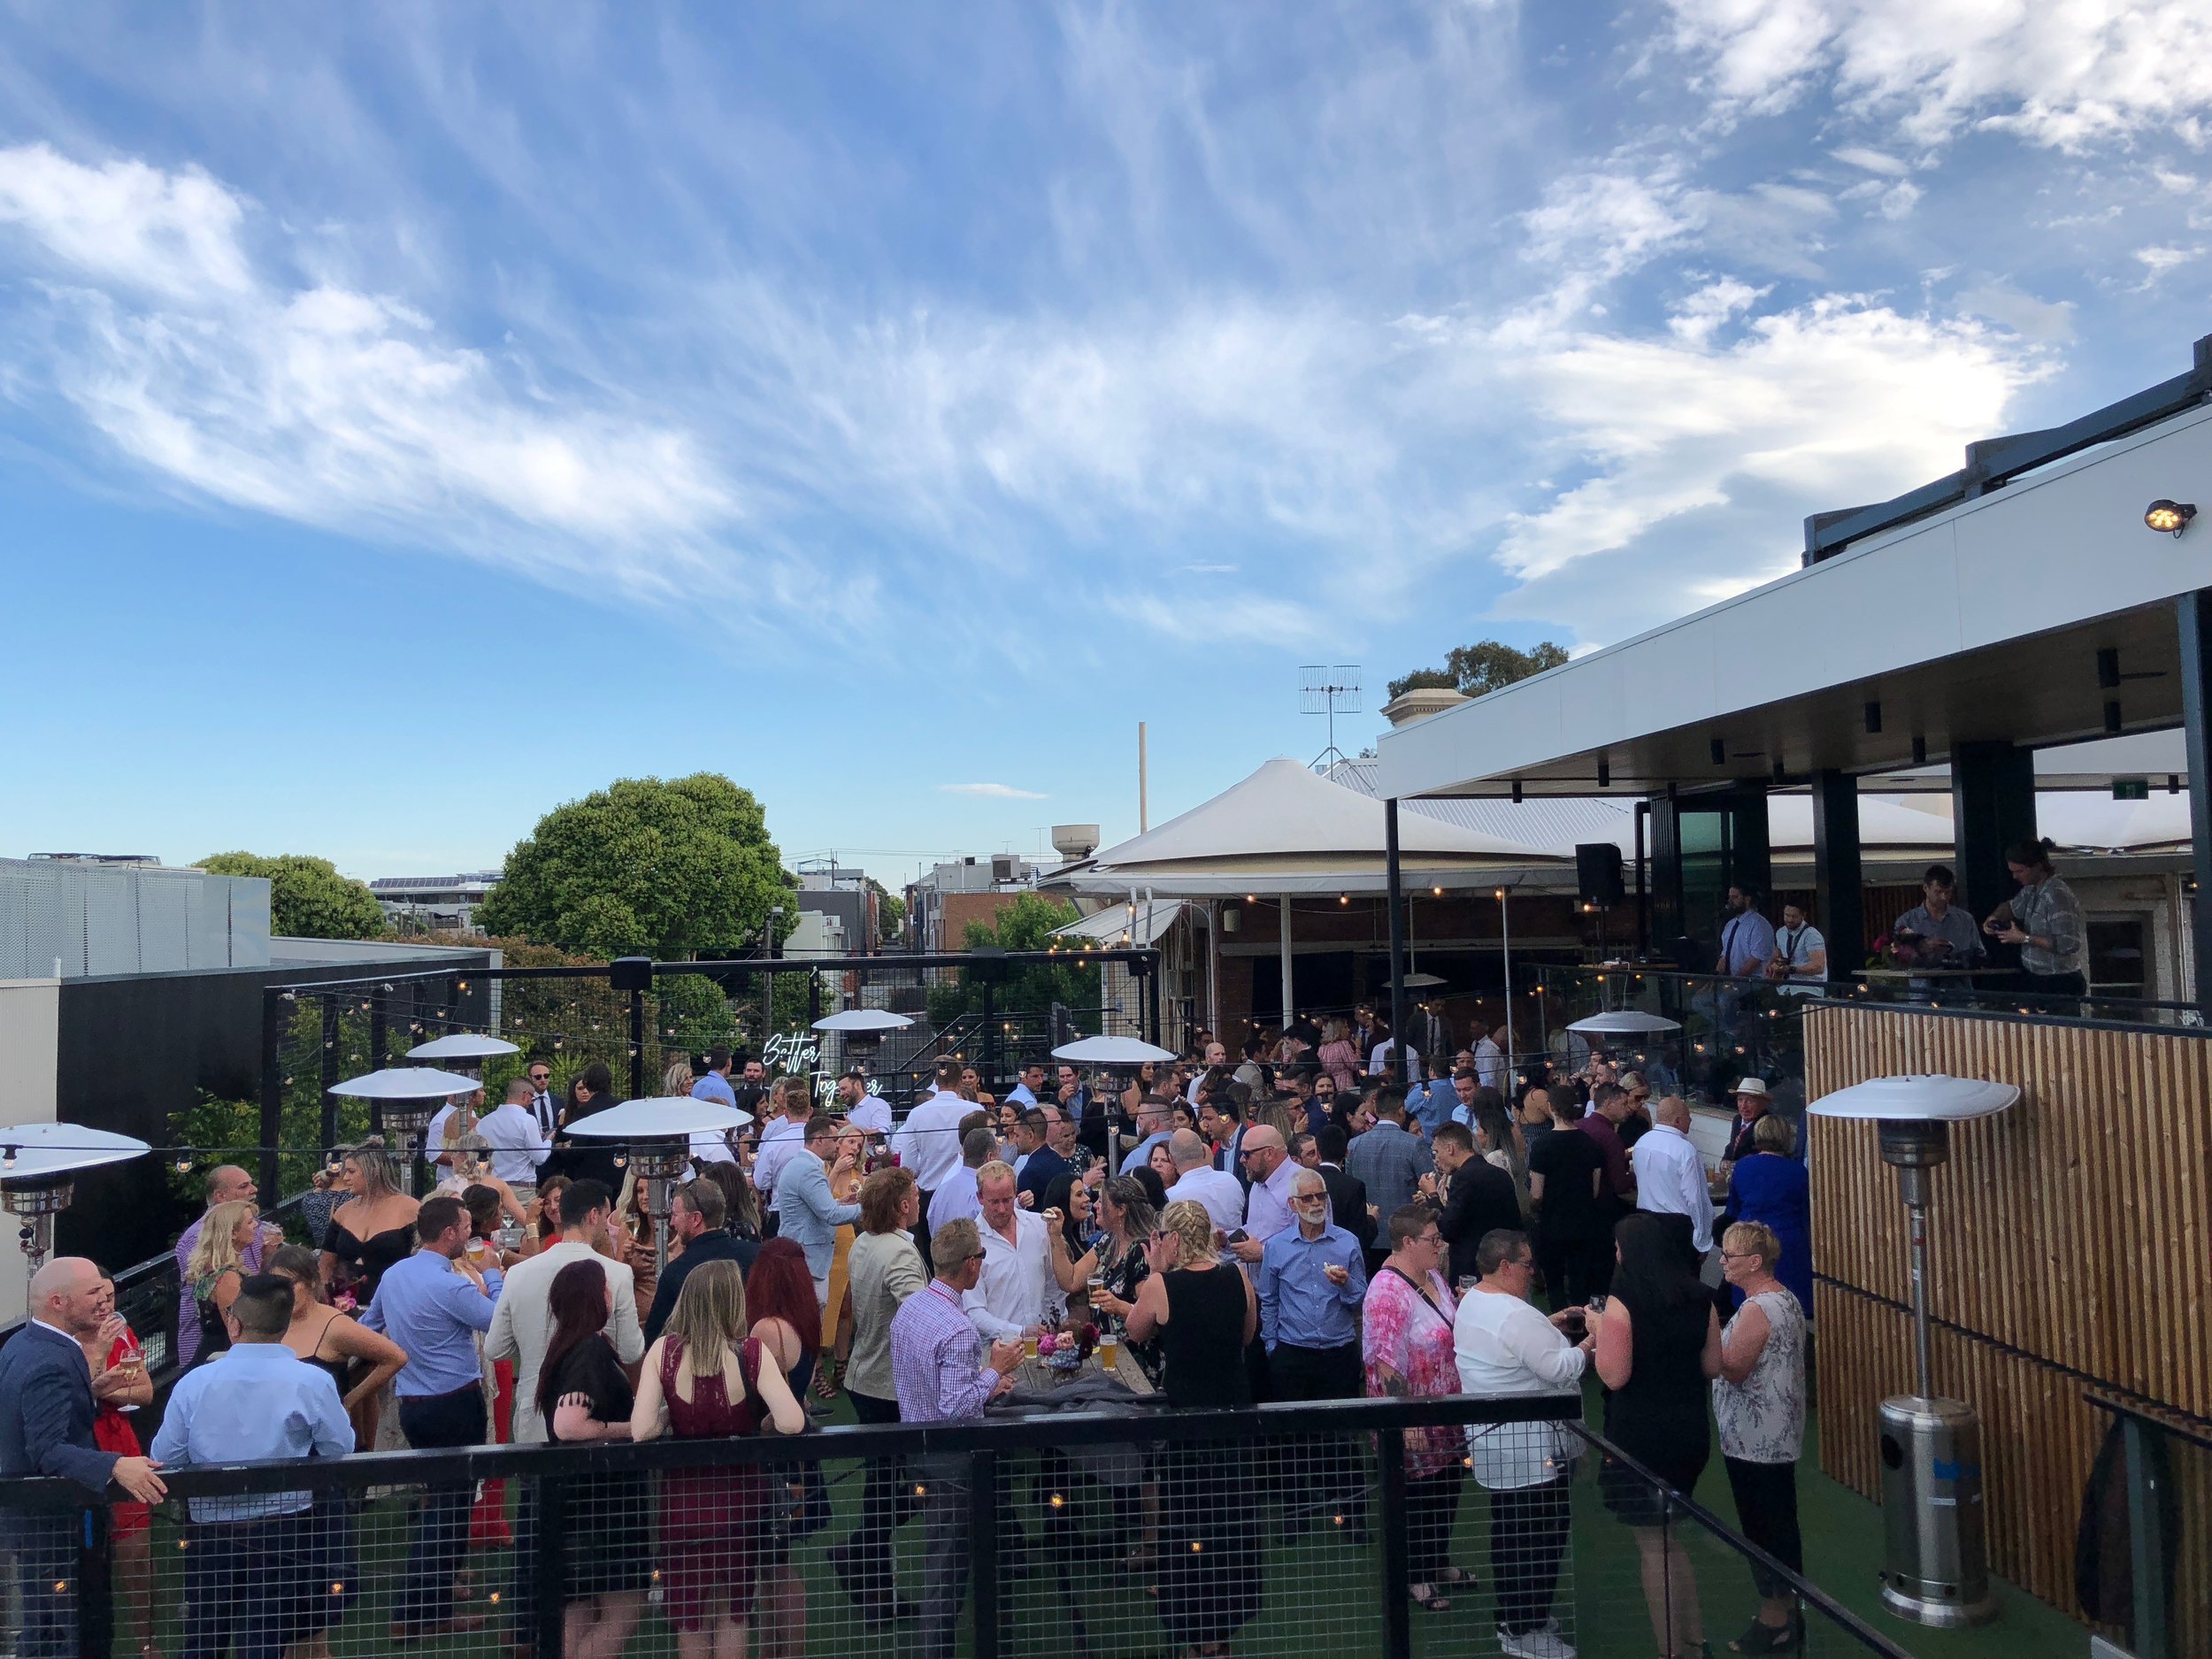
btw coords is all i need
(787, 1324)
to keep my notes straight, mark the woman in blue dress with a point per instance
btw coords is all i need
(1770, 1186)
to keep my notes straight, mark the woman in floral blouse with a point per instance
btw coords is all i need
(1407, 1342)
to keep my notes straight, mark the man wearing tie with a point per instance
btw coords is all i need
(48, 1399)
(543, 1107)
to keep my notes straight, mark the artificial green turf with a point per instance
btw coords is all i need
(1320, 1597)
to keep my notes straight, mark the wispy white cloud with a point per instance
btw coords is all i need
(992, 791)
(2063, 76)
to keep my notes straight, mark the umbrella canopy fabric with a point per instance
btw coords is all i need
(664, 1118)
(864, 1019)
(1626, 1022)
(1925, 1097)
(35, 1152)
(406, 1082)
(462, 1045)
(1112, 1051)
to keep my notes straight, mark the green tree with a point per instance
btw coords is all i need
(1028, 924)
(645, 866)
(890, 910)
(308, 898)
(1483, 666)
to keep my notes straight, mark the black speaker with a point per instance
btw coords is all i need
(630, 974)
(1597, 873)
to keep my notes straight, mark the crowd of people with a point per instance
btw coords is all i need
(1293, 1225)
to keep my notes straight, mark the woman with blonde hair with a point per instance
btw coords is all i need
(1339, 1054)
(216, 1269)
(372, 1230)
(705, 1378)
(1204, 1314)
(1759, 1406)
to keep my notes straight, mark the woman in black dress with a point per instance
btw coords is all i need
(584, 1396)
(1657, 1349)
(1203, 1314)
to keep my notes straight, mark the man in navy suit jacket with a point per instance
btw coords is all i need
(46, 1410)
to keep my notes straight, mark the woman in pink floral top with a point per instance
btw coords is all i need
(1407, 1343)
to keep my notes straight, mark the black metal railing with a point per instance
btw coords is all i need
(2150, 1574)
(1287, 1529)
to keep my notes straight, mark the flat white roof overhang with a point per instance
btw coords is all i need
(1981, 622)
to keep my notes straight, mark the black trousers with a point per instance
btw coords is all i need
(441, 1524)
(1570, 1267)
(886, 1503)
(1431, 1511)
(1528, 1536)
(1319, 1474)
(920, 1235)
(245, 1585)
(1766, 1508)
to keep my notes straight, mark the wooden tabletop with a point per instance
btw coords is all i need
(1035, 1373)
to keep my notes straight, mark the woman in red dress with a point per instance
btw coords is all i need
(705, 1378)
(120, 1384)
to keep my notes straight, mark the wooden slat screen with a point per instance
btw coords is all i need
(2069, 1244)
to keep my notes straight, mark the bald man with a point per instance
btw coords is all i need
(1670, 1174)
(48, 1399)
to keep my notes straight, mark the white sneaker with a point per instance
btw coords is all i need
(1534, 1644)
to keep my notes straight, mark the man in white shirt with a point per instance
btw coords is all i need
(434, 1146)
(1670, 1174)
(1504, 1347)
(1489, 1061)
(1010, 1300)
(1219, 1193)
(1032, 1078)
(1384, 1056)
(1216, 1055)
(859, 1108)
(928, 1143)
(956, 1198)
(512, 1132)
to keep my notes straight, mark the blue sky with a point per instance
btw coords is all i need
(414, 416)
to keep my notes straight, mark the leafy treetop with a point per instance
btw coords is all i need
(664, 869)
(308, 898)
(1483, 666)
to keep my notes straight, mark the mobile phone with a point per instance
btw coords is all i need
(1238, 1237)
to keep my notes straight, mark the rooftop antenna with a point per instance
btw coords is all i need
(1330, 690)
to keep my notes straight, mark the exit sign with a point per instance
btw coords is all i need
(2131, 789)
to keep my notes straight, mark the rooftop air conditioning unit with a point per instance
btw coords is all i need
(1005, 867)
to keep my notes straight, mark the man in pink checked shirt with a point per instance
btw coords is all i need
(938, 1367)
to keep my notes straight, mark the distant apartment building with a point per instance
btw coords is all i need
(433, 904)
(941, 904)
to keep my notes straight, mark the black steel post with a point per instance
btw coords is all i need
(2194, 612)
(988, 1059)
(814, 1013)
(1152, 999)
(2146, 1540)
(272, 1007)
(1643, 890)
(1993, 805)
(1390, 1471)
(380, 1045)
(1839, 898)
(547, 1567)
(328, 1117)
(983, 1550)
(1397, 901)
(92, 1584)
(637, 1045)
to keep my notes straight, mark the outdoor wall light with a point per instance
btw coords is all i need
(2170, 516)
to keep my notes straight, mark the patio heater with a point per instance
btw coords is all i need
(466, 1052)
(407, 1096)
(1936, 1563)
(1630, 1024)
(38, 1176)
(1130, 1052)
(658, 1133)
(860, 1022)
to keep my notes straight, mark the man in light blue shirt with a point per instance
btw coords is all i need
(432, 1305)
(1024, 1093)
(811, 1215)
(1311, 1281)
(1430, 1102)
(716, 1084)
(1153, 1125)
(248, 1561)
(1747, 942)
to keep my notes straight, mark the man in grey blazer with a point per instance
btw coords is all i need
(48, 1399)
